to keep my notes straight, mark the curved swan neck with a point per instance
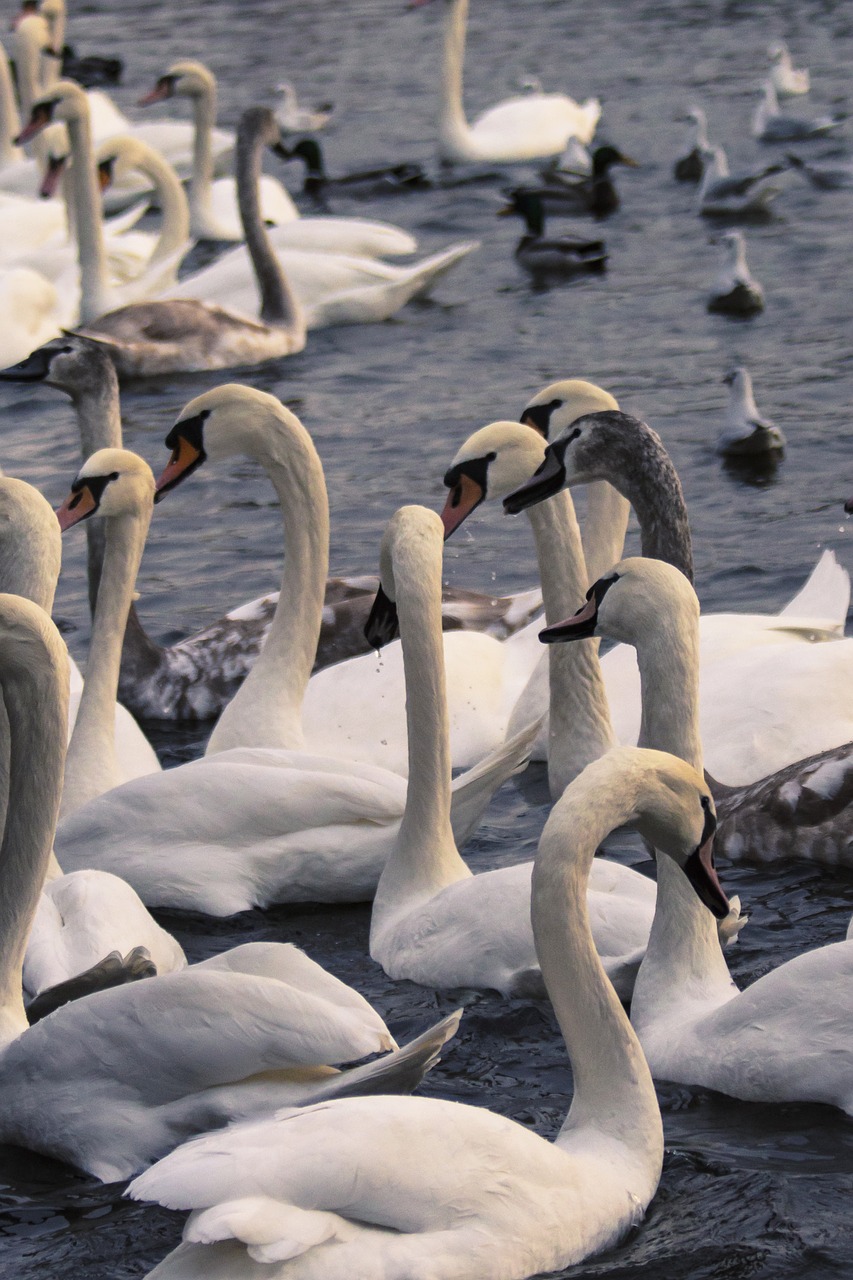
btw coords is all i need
(175, 212)
(10, 123)
(201, 181)
(87, 220)
(278, 303)
(91, 767)
(604, 529)
(425, 857)
(36, 701)
(266, 711)
(613, 1090)
(453, 131)
(580, 730)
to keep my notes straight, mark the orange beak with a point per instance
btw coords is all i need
(183, 460)
(76, 507)
(461, 501)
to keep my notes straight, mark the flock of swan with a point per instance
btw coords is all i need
(235, 1089)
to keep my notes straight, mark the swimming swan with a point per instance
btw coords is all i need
(334, 1191)
(114, 1080)
(694, 1024)
(523, 128)
(433, 922)
(156, 336)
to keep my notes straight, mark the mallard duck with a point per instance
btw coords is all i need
(564, 192)
(390, 180)
(549, 256)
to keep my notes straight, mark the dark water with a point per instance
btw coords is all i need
(747, 1191)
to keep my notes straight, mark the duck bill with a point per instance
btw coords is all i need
(547, 480)
(52, 177)
(579, 627)
(462, 499)
(702, 874)
(382, 625)
(185, 459)
(77, 506)
(632, 164)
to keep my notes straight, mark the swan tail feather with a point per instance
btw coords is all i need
(427, 273)
(397, 1072)
(473, 790)
(826, 594)
(271, 1230)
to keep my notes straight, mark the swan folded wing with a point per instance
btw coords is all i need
(287, 963)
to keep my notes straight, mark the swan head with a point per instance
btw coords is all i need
(227, 421)
(184, 79)
(66, 102)
(491, 463)
(560, 403)
(596, 446)
(71, 363)
(410, 543)
(667, 801)
(634, 600)
(112, 483)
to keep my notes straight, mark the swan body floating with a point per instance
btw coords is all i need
(769, 124)
(691, 166)
(695, 1026)
(335, 1191)
(726, 195)
(433, 922)
(258, 825)
(113, 1081)
(746, 433)
(742, 674)
(528, 127)
(156, 336)
(542, 255)
(785, 78)
(735, 291)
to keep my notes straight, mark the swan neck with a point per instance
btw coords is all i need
(10, 123)
(201, 182)
(27, 59)
(579, 717)
(267, 709)
(91, 767)
(669, 684)
(36, 703)
(425, 858)
(87, 221)
(605, 528)
(278, 303)
(175, 213)
(99, 423)
(453, 131)
(652, 487)
(613, 1090)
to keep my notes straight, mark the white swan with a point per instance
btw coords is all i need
(746, 433)
(336, 1191)
(524, 128)
(788, 1036)
(354, 709)
(433, 922)
(82, 917)
(788, 81)
(157, 336)
(112, 1081)
(255, 826)
(735, 290)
